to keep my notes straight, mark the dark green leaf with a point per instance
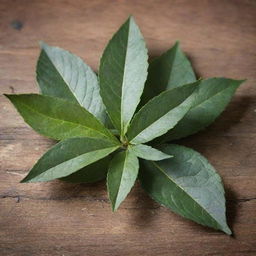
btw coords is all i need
(121, 177)
(188, 185)
(148, 153)
(64, 75)
(57, 118)
(122, 73)
(161, 113)
(69, 156)
(91, 173)
(170, 70)
(213, 96)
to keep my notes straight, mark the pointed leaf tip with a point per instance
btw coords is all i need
(131, 18)
(228, 231)
(42, 44)
(177, 44)
(24, 180)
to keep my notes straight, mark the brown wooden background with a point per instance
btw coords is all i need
(56, 218)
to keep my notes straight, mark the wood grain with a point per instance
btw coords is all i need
(57, 218)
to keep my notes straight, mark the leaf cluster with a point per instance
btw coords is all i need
(104, 124)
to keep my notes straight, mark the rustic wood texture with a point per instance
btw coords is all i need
(57, 218)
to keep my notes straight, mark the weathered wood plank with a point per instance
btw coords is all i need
(57, 218)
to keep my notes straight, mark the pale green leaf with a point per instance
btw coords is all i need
(121, 177)
(57, 118)
(188, 185)
(148, 153)
(161, 113)
(64, 75)
(69, 156)
(122, 74)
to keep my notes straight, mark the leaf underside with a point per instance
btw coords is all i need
(64, 75)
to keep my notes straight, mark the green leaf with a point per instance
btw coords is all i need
(69, 156)
(213, 96)
(122, 174)
(122, 74)
(148, 153)
(170, 70)
(64, 75)
(188, 185)
(161, 113)
(92, 173)
(57, 118)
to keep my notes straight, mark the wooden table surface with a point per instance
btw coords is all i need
(57, 218)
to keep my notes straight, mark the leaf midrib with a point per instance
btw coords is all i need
(124, 75)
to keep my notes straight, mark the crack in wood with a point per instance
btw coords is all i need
(90, 198)
(241, 200)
